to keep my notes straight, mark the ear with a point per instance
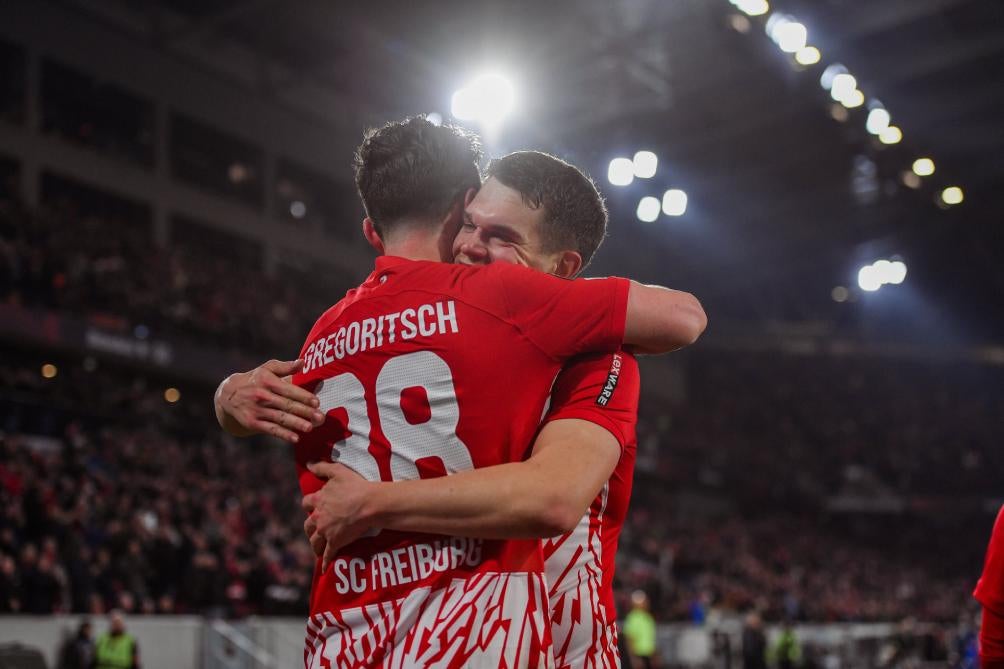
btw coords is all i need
(568, 264)
(372, 236)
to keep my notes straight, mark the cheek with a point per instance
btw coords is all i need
(506, 254)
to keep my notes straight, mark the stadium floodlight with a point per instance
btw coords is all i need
(789, 35)
(880, 273)
(808, 56)
(891, 135)
(751, 7)
(674, 202)
(648, 209)
(172, 395)
(829, 74)
(297, 209)
(878, 121)
(844, 84)
(883, 270)
(488, 99)
(621, 171)
(868, 279)
(897, 272)
(923, 167)
(645, 164)
(952, 195)
(854, 99)
(49, 370)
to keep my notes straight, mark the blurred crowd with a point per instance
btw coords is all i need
(106, 265)
(139, 504)
(112, 497)
(821, 426)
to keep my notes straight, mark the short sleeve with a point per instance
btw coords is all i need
(563, 317)
(990, 589)
(602, 389)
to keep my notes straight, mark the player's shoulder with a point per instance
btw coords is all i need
(623, 361)
(333, 312)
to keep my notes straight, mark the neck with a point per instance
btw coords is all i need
(415, 244)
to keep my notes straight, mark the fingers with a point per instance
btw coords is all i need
(277, 431)
(314, 417)
(323, 470)
(310, 526)
(318, 544)
(271, 395)
(287, 421)
(309, 502)
(287, 390)
(284, 367)
(330, 551)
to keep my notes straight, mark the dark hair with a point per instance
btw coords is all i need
(414, 169)
(575, 216)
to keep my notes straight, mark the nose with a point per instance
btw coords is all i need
(475, 251)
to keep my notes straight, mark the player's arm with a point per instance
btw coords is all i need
(545, 495)
(567, 318)
(992, 639)
(264, 401)
(990, 593)
(660, 320)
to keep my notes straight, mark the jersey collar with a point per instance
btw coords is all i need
(389, 262)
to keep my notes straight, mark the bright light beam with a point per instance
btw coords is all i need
(648, 209)
(489, 99)
(674, 202)
(621, 171)
(645, 164)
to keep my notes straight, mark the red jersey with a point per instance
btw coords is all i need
(428, 369)
(602, 389)
(990, 593)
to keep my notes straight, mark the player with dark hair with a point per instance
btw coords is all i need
(990, 593)
(520, 216)
(427, 369)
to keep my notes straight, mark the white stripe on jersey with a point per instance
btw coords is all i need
(581, 632)
(428, 628)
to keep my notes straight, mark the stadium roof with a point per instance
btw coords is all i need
(785, 201)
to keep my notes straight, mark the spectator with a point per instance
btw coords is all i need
(786, 652)
(116, 648)
(754, 643)
(639, 629)
(78, 651)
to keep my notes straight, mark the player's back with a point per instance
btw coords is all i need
(428, 369)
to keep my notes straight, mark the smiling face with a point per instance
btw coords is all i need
(500, 227)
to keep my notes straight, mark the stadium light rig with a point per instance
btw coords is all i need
(648, 209)
(674, 202)
(880, 273)
(791, 36)
(488, 99)
(923, 167)
(751, 7)
(623, 171)
(952, 195)
(645, 164)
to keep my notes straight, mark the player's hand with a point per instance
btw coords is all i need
(333, 520)
(264, 401)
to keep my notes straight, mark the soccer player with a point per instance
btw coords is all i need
(990, 593)
(532, 202)
(419, 362)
